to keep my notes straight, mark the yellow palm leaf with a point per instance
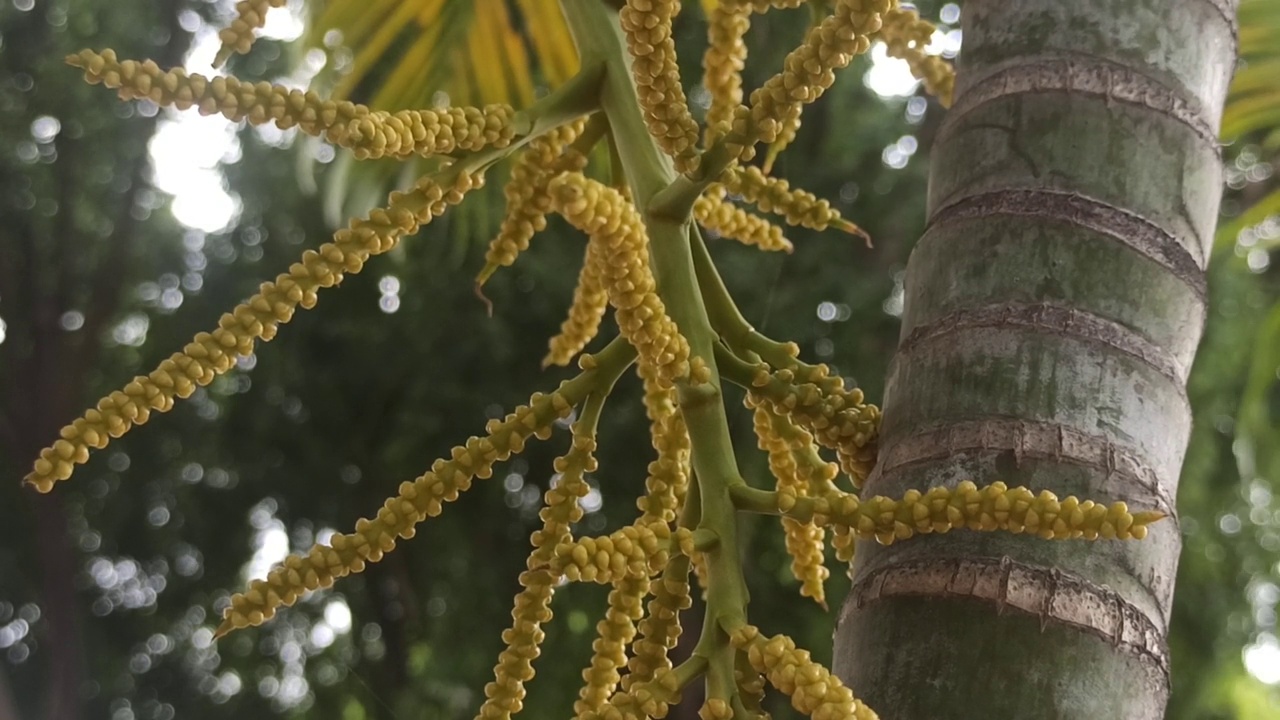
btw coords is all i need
(404, 51)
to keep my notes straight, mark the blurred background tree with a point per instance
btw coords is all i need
(123, 225)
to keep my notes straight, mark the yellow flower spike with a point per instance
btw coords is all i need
(609, 219)
(590, 300)
(367, 133)
(839, 418)
(238, 37)
(642, 702)
(526, 193)
(660, 629)
(814, 691)
(614, 633)
(722, 65)
(807, 73)
(213, 353)
(906, 36)
(714, 212)
(647, 26)
(414, 502)
(532, 607)
(635, 551)
(668, 474)
(993, 507)
(790, 461)
(797, 207)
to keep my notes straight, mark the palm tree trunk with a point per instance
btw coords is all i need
(1053, 308)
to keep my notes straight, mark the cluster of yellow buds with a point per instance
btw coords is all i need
(644, 700)
(635, 551)
(415, 501)
(613, 222)
(798, 471)
(775, 195)
(906, 35)
(214, 353)
(722, 64)
(647, 25)
(714, 212)
(238, 37)
(609, 650)
(993, 507)
(367, 133)
(839, 418)
(807, 72)
(660, 628)
(668, 473)
(590, 299)
(812, 688)
(526, 193)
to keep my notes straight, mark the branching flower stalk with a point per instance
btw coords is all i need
(645, 258)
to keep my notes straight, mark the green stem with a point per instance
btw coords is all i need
(725, 316)
(598, 35)
(578, 96)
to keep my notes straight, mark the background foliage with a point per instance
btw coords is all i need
(108, 588)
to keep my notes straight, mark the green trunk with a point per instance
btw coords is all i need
(1053, 309)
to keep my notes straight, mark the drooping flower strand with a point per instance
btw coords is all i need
(625, 606)
(807, 73)
(532, 607)
(668, 474)
(812, 688)
(906, 35)
(399, 516)
(647, 26)
(526, 193)
(714, 212)
(367, 133)
(238, 37)
(839, 418)
(775, 195)
(797, 477)
(212, 353)
(723, 62)
(722, 65)
(590, 300)
(609, 219)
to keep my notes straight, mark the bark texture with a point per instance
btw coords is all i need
(1053, 308)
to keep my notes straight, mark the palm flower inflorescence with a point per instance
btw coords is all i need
(677, 327)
